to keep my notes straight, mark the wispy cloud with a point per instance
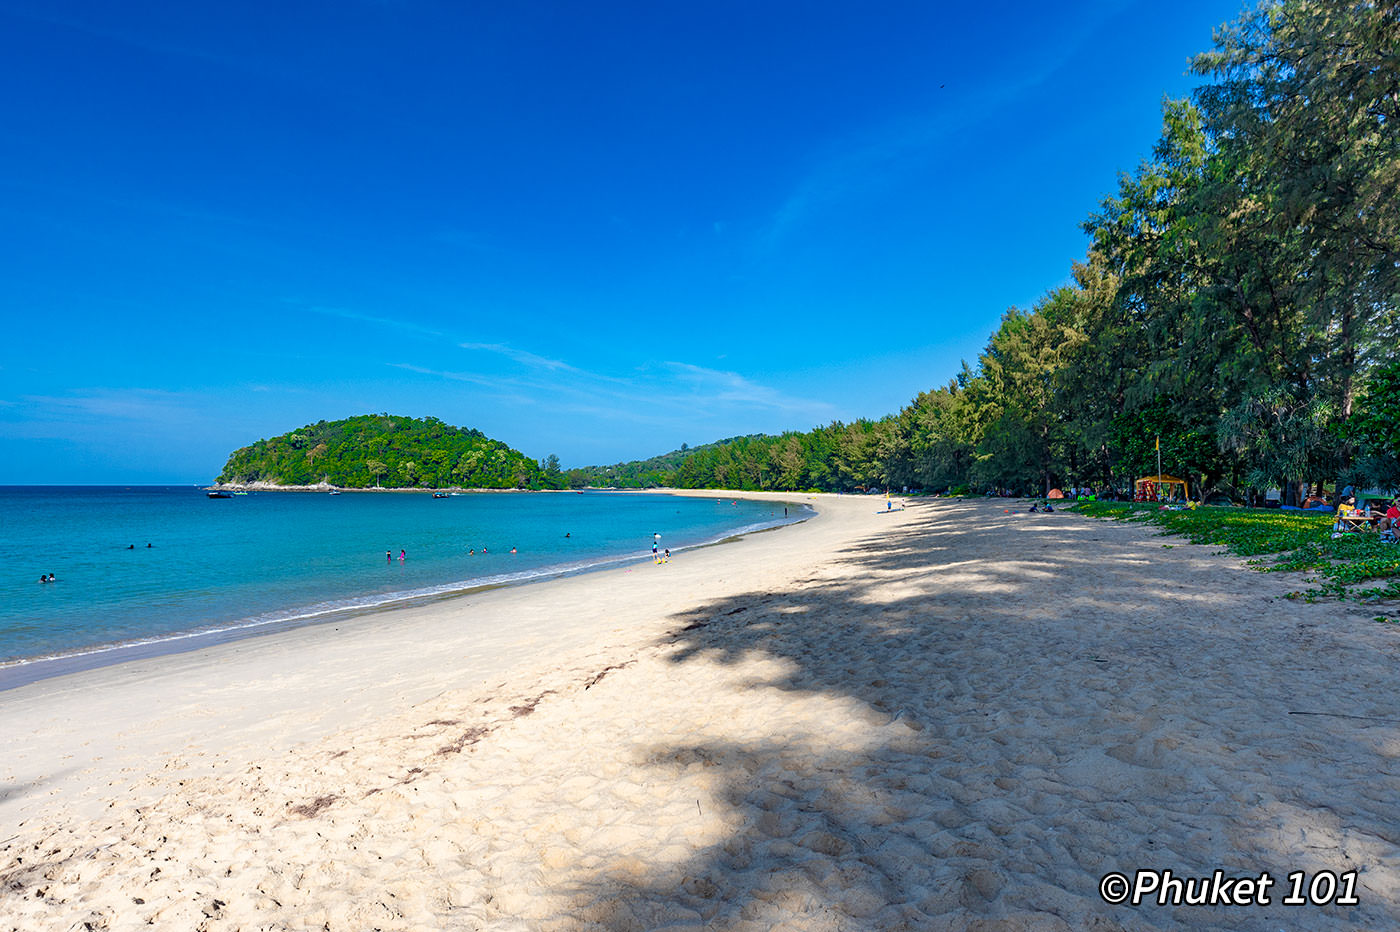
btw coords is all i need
(733, 388)
(148, 41)
(98, 411)
(372, 319)
(451, 376)
(876, 157)
(137, 404)
(541, 363)
(524, 357)
(655, 393)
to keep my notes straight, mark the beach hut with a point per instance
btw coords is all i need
(1157, 488)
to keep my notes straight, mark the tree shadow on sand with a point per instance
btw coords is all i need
(1038, 703)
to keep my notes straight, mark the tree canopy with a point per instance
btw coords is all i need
(390, 452)
(1238, 304)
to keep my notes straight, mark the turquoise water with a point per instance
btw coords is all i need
(218, 568)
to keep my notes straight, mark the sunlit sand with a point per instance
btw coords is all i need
(953, 714)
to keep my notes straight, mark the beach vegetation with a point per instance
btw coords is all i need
(1337, 566)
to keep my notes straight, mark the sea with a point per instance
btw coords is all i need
(147, 570)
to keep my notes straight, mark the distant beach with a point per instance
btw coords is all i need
(959, 715)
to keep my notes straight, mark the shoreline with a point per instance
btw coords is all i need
(18, 672)
(951, 716)
(290, 654)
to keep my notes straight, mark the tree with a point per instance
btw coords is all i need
(1304, 101)
(1373, 426)
(376, 469)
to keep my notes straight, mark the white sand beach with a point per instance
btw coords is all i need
(949, 717)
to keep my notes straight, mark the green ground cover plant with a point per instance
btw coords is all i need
(1279, 541)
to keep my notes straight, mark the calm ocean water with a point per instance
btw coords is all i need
(218, 568)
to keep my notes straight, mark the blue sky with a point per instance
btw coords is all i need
(596, 230)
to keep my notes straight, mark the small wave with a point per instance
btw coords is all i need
(170, 642)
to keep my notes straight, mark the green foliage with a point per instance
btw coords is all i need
(1298, 543)
(1376, 422)
(838, 457)
(393, 452)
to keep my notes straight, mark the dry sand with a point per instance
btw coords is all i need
(947, 717)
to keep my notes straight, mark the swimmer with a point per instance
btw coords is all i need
(566, 534)
(403, 555)
(471, 552)
(43, 579)
(512, 550)
(389, 555)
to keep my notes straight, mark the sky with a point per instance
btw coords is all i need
(595, 230)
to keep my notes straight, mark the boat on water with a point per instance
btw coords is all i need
(334, 492)
(220, 495)
(441, 495)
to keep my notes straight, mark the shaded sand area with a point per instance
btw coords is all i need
(950, 717)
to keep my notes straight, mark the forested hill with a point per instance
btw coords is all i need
(838, 457)
(388, 451)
